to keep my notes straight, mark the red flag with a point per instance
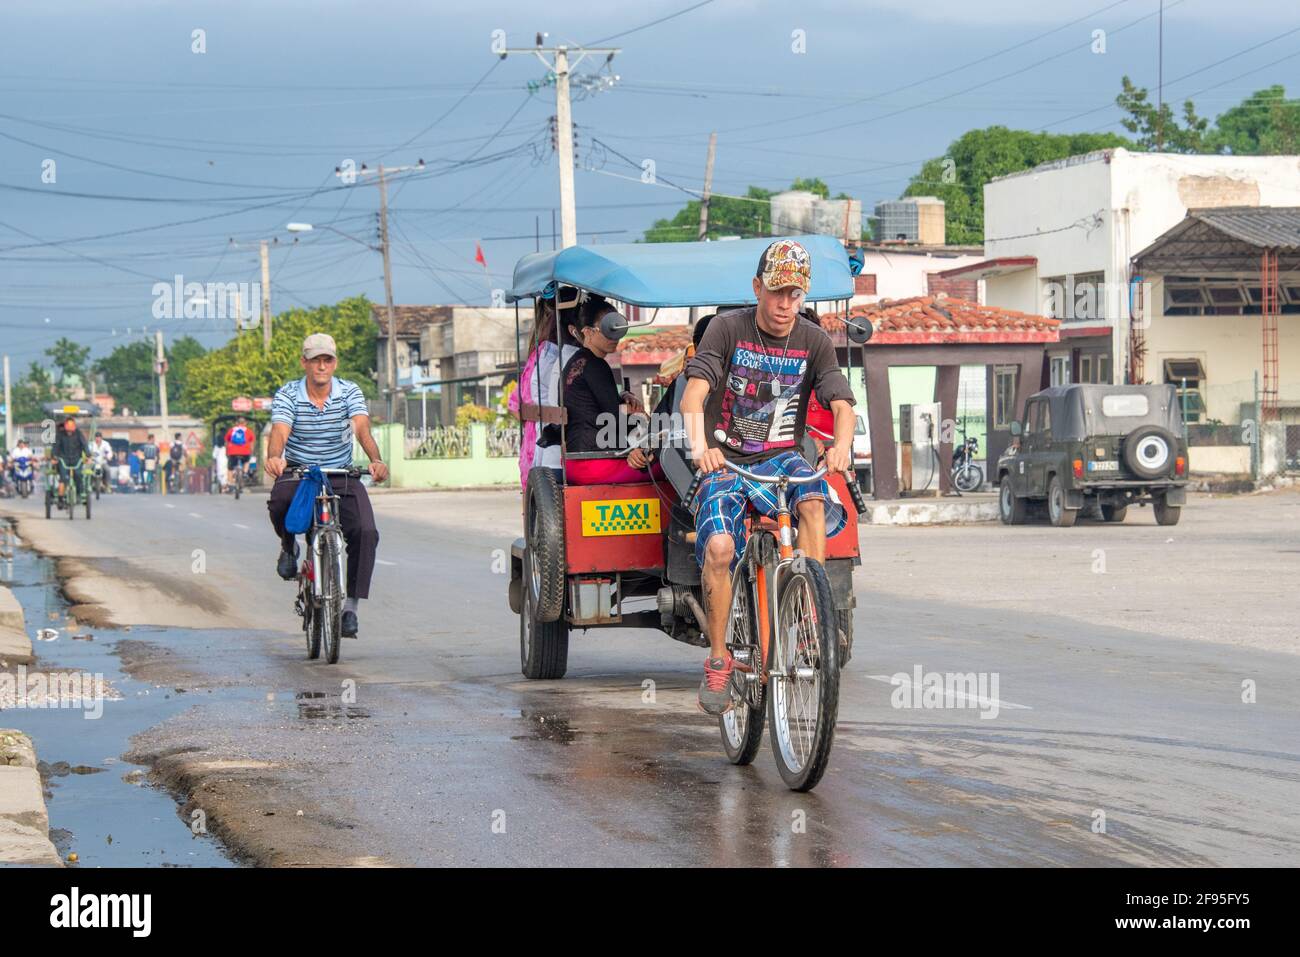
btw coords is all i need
(478, 256)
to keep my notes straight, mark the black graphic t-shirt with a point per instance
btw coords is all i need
(759, 385)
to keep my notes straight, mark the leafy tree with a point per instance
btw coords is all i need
(727, 217)
(1266, 123)
(977, 156)
(128, 373)
(31, 392)
(240, 367)
(69, 358)
(1156, 127)
(814, 185)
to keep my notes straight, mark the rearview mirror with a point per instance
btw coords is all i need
(859, 330)
(1016, 429)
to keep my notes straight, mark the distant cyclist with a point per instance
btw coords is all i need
(175, 459)
(149, 454)
(69, 450)
(239, 446)
(101, 453)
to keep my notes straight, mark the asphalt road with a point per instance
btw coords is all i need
(1120, 655)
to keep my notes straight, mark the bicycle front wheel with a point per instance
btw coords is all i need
(330, 607)
(804, 680)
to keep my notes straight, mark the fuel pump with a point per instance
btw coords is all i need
(918, 434)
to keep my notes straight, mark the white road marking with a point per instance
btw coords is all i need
(949, 696)
(195, 515)
(244, 527)
(380, 561)
(167, 505)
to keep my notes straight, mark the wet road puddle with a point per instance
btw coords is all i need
(100, 806)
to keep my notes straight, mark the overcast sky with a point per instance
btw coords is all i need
(163, 154)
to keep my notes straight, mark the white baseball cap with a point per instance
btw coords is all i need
(318, 344)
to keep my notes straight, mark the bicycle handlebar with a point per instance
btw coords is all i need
(299, 471)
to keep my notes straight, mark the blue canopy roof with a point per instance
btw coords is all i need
(677, 274)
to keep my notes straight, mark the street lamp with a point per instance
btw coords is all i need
(308, 227)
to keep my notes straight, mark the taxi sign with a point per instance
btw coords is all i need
(620, 516)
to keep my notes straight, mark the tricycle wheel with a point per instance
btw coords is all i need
(844, 621)
(49, 504)
(544, 540)
(543, 645)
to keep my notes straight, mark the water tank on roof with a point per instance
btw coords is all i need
(915, 219)
(792, 212)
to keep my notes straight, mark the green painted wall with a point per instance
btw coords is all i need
(477, 470)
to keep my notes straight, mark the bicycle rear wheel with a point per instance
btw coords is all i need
(330, 608)
(804, 676)
(742, 726)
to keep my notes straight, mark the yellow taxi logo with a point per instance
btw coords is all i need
(628, 516)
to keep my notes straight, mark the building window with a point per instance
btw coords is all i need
(1060, 374)
(1188, 377)
(1224, 296)
(1004, 396)
(1075, 298)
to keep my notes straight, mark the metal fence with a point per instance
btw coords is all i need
(503, 443)
(445, 442)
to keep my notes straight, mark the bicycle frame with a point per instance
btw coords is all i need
(766, 611)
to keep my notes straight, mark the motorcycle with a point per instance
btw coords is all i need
(966, 475)
(24, 476)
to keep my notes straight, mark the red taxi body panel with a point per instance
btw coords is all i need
(620, 528)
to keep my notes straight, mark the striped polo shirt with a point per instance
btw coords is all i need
(319, 436)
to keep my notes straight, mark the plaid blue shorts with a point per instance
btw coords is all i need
(722, 501)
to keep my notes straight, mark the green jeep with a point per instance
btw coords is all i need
(1096, 447)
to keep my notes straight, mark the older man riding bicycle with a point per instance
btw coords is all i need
(746, 401)
(313, 421)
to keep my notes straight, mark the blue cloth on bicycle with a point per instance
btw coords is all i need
(297, 521)
(723, 500)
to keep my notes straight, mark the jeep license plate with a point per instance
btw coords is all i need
(1111, 466)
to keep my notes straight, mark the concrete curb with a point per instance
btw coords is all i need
(15, 645)
(933, 512)
(24, 822)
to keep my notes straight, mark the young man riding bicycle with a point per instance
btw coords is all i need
(313, 421)
(746, 402)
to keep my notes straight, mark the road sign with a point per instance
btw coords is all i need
(241, 404)
(262, 403)
(192, 441)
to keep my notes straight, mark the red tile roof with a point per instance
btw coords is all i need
(667, 339)
(938, 320)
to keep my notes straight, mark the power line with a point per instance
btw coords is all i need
(647, 26)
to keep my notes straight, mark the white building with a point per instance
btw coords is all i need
(1060, 240)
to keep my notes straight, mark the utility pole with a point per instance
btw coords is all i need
(704, 209)
(160, 367)
(391, 360)
(708, 188)
(266, 299)
(9, 409)
(1160, 81)
(388, 294)
(561, 68)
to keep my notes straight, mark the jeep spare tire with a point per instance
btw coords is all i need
(1149, 451)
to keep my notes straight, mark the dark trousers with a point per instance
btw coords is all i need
(356, 517)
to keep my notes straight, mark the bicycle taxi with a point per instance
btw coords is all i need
(622, 555)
